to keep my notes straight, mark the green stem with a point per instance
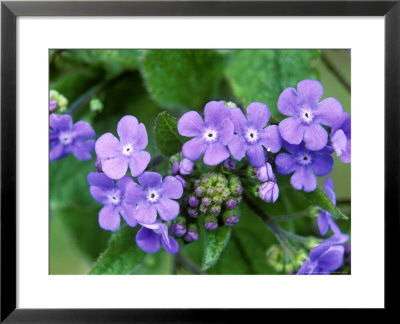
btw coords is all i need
(189, 265)
(331, 67)
(290, 217)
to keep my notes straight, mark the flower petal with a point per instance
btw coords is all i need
(328, 112)
(82, 150)
(315, 137)
(292, 130)
(148, 240)
(134, 193)
(288, 102)
(323, 222)
(258, 115)
(225, 132)
(123, 183)
(56, 152)
(150, 179)
(285, 163)
(329, 190)
(126, 128)
(109, 218)
(171, 246)
(215, 112)
(100, 194)
(339, 142)
(171, 188)
(310, 91)
(215, 154)
(115, 168)
(194, 148)
(304, 179)
(107, 146)
(128, 212)
(139, 137)
(83, 130)
(146, 213)
(100, 180)
(190, 124)
(271, 138)
(138, 162)
(332, 259)
(61, 122)
(167, 209)
(322, 164)
(239, 120)
(238, 147)
(256, 155)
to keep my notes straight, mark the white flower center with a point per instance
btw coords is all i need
(304, 159)
(210, 135)
(66, 138)
(127, 149)
(152, 196)
(306, 115)
(114, 197)
(251, 135)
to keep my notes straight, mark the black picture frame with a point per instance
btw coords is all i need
(10, 10)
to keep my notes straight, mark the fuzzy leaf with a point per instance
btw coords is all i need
(182, 78)
(261, 75)
(122, 255)
(215, 243)
(317, 197)
(168, 139)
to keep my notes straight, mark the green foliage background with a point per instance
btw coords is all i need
(145, 83)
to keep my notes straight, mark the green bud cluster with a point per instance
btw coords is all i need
(281, 262)
(62, 102)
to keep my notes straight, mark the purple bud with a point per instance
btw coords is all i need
(178, 227)
(198, 191)
(206, 181)
(197, 183)
(265, 173)
(192, 212)
(210, 223)
(230, 204)
(215, 210)
(238, 190)
(193, 201)
(217, 200)
(53, 105)
(175, 168)
(192, 233)
(219, 189)
(231, 217)
(97, 165)
(229, 165)
(181, 180)
(210, 191)
(206, 201)
(203, 209)
(268, 191)
(186, 167)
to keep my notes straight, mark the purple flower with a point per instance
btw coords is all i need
(149, 236)
(66, 137)
(341, 139)
(53, 105)
(116, 199)
(116, 155)
(265, 173)
(251, 136)
(154, 195)
(210, 136)
(305, 164)
(229, 165)
(323, 259)
(186, 167)
(325, 218)
(269, 191)
(307, 114)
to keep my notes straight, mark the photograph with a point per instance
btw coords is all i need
(199, 161)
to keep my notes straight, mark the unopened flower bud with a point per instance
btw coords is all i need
(192, 233)
(230, 204)
(203, 209)
(53, 105)
(217, 200)
(175, 167)
(230, 104)
(178, 226)
(210, 223)
(97, 165)
(193, 201)
(181, 180)
(268, 191)
(235, 186)
(231, 217)
(198, 191)
(206, 181)
(186, 167)
(229, 165)
(210, 191)
(192, 212)
(265, 173)
(219, 189)
(96, 105)
(215, 210)
(206, 201)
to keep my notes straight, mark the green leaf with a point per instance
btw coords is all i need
(122, 255)
(318, 198)
(168, 139)
(182, 78)
(261, 75)
(215, 243)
